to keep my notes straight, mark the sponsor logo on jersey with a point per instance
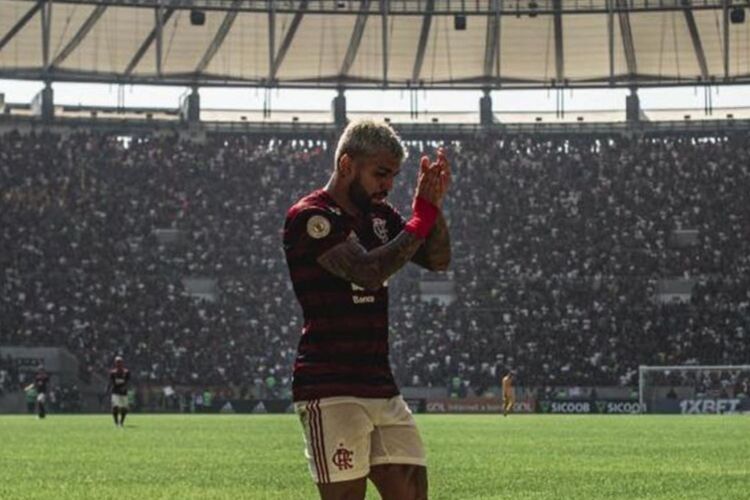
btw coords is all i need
(367, 299)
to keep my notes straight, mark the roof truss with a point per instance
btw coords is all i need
(700, 55)
(89, 23)
(287, 41)
(21, 23)
(424, 34)
(149, 40)
(356, 38)
(627, 38)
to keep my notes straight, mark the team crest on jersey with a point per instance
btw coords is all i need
(380, 230)
(318, 227)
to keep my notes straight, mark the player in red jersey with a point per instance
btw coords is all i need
(41, 384)
(119, 377)
(342, 243)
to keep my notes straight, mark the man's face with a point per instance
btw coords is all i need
(373, 179)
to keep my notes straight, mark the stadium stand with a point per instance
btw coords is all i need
(562, 247)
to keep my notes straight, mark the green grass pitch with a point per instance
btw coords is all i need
(470, 457)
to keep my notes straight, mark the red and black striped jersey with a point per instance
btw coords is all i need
(41, 381)
(343, 350)
(118, 380)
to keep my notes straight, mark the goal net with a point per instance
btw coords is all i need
(694, 389)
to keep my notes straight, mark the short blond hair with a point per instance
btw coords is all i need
(367, 138)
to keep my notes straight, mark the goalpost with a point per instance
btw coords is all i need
(694, 389)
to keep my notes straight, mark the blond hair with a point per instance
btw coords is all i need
(367, 138)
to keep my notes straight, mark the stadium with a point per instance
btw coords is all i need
(600, 256)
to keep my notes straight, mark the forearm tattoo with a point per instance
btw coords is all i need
(351, 261)
(435, 254)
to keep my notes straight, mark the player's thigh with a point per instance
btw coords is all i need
(337, 440)
(400, 481)
(395, 438)
(345, 490)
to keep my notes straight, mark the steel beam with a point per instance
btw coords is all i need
(498, 55)
(559, 53)
(46, 27)
(695, 37)
(492, 39)
(20, 24)
(356, 39)
(627, 38)
(423, 36)
(287, 41)
(611, 40)
(221, 35)
(271, 35)
(384, 18)
(334, 82)
(74, 42)
(147, 43)
(417, 7)
(159, 26)
(725, 27)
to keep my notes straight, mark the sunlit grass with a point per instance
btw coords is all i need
(470, 457)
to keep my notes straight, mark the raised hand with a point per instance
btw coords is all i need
(434, 178)
(444, 173)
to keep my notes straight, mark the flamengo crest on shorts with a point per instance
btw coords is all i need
(346, 436)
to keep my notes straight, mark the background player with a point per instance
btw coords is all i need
(342, 243)
(509, 394)
(41, 385)
(119, 377)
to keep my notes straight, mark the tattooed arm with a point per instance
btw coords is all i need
(351, 261)
(435, 254)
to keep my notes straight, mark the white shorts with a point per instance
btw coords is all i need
(345, 435)
(119, 401)
(41, 398)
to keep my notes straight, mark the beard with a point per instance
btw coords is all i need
(359, 195)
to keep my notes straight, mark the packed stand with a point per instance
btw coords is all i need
(558, 249)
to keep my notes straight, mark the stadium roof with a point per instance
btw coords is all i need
(377, 43)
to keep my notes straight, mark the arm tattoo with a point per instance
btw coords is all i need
(351, 261)
(435, 254)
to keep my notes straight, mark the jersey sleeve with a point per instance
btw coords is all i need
(313, 231)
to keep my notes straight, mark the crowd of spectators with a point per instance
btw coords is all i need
(9, 377)
(65, 398)
(559, 246)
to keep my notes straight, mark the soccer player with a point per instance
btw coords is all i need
(342, 243)
(119, 377)
(41, 384)
(509, 395)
